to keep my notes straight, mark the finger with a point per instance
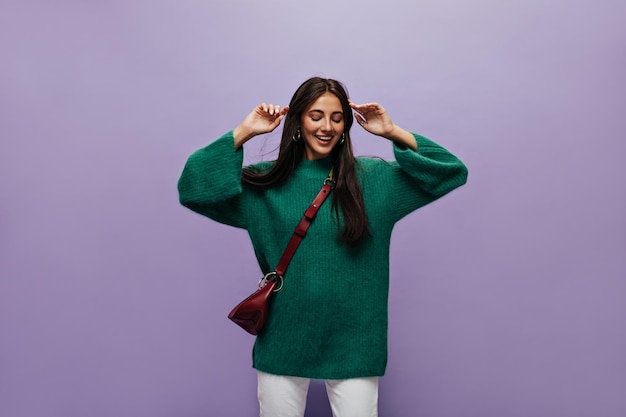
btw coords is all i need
(355, 105)
(284, 110)
(369, 107)
(360, 120)
(372, 103)
(359, 115)
(269, 109)
(366, 108)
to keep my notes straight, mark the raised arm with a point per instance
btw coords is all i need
(210, 183)
(423, 172)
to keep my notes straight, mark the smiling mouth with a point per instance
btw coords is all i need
(324, 138)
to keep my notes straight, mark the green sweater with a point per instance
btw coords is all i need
(330, 319)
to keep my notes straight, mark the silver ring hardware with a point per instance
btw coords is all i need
(271, 276)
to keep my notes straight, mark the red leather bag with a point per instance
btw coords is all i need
(251, 313)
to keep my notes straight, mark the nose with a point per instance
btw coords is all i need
(327, 126)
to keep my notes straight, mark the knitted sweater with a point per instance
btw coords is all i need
(329, 321)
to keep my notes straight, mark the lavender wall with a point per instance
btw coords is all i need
(507, 297)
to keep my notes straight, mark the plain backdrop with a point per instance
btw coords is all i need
(507, 298)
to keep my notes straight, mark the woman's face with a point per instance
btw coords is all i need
(322, 126)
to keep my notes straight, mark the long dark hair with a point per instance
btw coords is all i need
(347, 194)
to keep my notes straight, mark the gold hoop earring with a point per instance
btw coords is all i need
(296, 137)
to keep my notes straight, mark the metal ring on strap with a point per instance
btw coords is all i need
(271, 276)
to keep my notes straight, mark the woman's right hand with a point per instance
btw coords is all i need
(263, 119)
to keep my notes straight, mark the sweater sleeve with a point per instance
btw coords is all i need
(210, 183)
(425, 175)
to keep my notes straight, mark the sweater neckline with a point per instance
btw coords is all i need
(316, 166)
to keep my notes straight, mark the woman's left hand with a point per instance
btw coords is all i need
(374, 118)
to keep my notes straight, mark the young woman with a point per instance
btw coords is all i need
(329, 321)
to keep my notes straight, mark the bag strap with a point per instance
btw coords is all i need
(301, 228)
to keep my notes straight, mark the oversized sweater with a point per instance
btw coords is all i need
(329, 321)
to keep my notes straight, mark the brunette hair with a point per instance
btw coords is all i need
(347, 194)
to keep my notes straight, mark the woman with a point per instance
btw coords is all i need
(329, 321)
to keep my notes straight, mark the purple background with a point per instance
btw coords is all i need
(508, 297)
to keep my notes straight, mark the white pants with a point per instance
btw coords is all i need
(285, 396)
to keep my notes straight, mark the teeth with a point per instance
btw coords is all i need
(326, 138)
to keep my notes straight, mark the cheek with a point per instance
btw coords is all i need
(309, 125)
